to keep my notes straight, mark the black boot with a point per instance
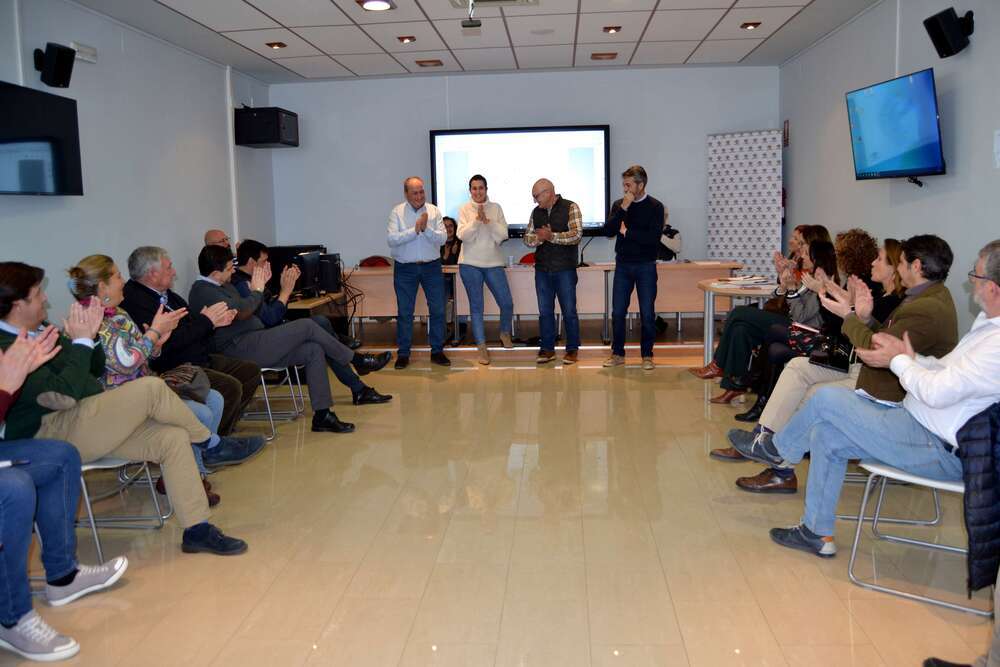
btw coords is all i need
(754, 413)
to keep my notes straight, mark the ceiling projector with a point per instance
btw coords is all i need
(472, 23)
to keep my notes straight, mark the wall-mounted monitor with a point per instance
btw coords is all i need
(575, 158)
(895, 131)
(39, 143)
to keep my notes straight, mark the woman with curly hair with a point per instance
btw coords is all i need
(856, 250)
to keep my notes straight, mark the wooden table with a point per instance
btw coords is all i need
(711, 288)
(325, 304)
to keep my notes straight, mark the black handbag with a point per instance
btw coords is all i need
(835, 353)
(188, 381)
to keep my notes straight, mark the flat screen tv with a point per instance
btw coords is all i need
(895, 131)
(574, 158)
(39, 143)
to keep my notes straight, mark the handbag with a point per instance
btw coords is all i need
(803, 339)
(837, 354)
(188, 381)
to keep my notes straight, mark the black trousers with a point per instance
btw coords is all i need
(744, 330)
(237, 380)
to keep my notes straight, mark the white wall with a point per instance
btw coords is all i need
(154, 149)
(254, 178)
(819, 174)
(361, 138)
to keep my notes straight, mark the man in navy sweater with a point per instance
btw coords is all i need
(636, 221)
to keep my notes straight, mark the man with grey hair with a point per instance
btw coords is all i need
(151, 277)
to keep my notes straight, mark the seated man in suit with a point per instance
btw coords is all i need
(918, 436)
(302, 342)
(273, 307)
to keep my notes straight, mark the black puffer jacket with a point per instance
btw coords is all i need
(979, 449)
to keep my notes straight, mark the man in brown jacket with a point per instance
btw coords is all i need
(927, 313)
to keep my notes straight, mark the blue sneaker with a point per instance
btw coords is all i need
(757, 446)
(801, 538)
(232, 451)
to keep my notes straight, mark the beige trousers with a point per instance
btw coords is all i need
(141, 420)
(796, 385)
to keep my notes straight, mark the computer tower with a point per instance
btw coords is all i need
(329, 273)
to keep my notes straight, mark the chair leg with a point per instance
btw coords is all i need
(90, 519)
(860, 478)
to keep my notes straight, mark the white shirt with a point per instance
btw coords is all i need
(405, 244)
(942, 394)
(481, 242)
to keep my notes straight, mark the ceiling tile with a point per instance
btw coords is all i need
(771, 3)
(442, 9)
(539, 30)
(222, 14)
(530, 57)
(492, 34)
(370, 64)
(591, 27)
(623, 50)
(687, 24)
(339, 39)
(406, 10)
(485, 59)
(294, 13)
(314, 67)
(697, 4)
(385, 34)
(409, 60)
(256, 40)
(587, 6)
(663, 53)
(723, 51)
(543, 7)
(771, 19)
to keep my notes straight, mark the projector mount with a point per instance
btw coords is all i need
(472, 22)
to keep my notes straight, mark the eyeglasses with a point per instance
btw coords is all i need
(973, 274)
(536, 195)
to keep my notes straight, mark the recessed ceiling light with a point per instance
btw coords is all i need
(750, 25)
(430, 63)
(276, 45)
(612, 29)
(406, 39)
(376, 5)
(610, 55)
(542, 31)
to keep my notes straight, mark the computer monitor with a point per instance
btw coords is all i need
(308, 263)
(280, 256)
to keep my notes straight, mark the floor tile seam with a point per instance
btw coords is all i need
(510, 564)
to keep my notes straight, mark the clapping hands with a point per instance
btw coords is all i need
(84, 321)
(25, 356)
(885, 347)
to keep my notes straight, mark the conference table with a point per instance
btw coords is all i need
(678, 291)
(713, 289)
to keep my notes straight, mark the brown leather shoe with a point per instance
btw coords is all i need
(767, 482)
(729, 455)
(728, 396)
(213, 498)
(709, 372)
(571, 357)
(545, 356)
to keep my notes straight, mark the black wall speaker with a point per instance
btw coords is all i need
(56, 64)
(329, 273)
(266, 127)
(948, 32)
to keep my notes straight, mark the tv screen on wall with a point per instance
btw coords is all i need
(39, 143)
(895, 130)
(574, 158)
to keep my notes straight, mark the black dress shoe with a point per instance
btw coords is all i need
(401, 362)
(368, 396)
(327, 421)
(352, 343)
(211, 540)
(369, 363)
(439, 359)
(938, 662)
(755, 411)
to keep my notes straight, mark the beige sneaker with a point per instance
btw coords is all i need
(614, 360)
(506, 341)
(484, 355)
(647, 364)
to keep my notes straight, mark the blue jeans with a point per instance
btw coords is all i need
(343, 372)
(495, 278)
(642, 277)
(549, 286)
(406, 278)
(208, 413)
(46, 490)
(837, 425)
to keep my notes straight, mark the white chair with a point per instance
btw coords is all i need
(295, 393)
(882, 474)
(140, 475)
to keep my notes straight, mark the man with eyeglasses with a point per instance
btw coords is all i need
(219, 238)
(554, 230)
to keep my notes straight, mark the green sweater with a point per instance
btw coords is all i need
(932, 323)
(74, 374)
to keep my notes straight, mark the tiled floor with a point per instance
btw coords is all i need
(515, 515)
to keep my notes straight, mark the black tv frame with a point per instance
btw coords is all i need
(518, 233)
(910, 174)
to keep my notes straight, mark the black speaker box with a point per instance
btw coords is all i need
(329, 273)
(266, 127)
(948, 32)
(56, 64)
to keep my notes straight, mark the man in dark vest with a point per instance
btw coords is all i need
(554, 230)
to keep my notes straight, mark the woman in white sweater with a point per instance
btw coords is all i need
(482, 228)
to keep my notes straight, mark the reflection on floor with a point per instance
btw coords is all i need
(515, 515)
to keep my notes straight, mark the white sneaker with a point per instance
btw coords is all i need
(34, 639)
(89, 579)
(614, 360)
